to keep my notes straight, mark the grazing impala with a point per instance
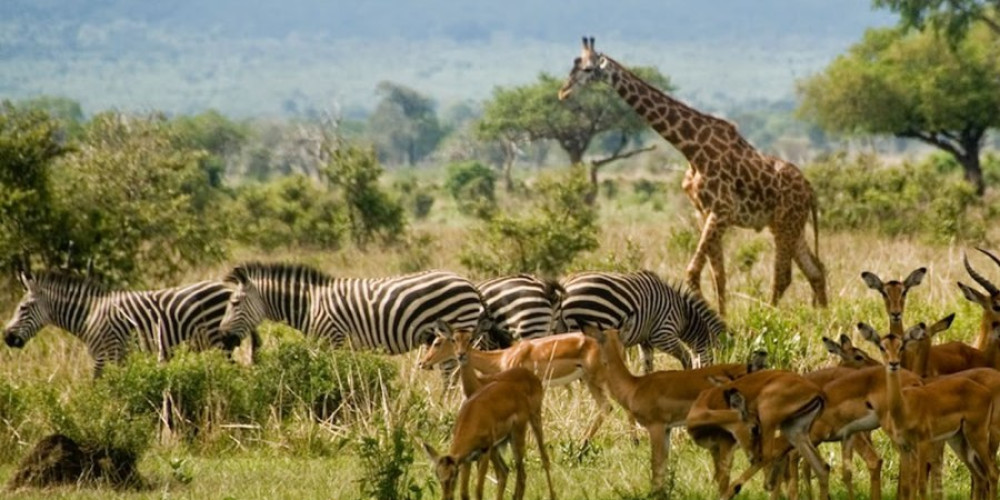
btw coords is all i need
(754, 409)
(660, 400)
(956, 410)
(498, 413)
(556, 359)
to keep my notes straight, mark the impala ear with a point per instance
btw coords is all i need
(444, 329)
(718, 381)
(873, 281)
(832, 347)
(971, 294)
(915, 277)
(758, 361)
(868, 333)
(942, 325)
(916, 332)
(430, 451)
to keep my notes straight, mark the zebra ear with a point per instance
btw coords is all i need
(25, 278)
(238, 276)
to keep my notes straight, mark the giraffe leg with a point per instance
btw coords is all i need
(813, 269)
(709, 246)
(783, 251)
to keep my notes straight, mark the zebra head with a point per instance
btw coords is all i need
(245, 309)
(31, 315)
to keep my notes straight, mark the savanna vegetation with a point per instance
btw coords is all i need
(148, 200)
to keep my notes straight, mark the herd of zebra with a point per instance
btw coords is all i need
(391, 314)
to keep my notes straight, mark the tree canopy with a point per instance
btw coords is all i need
(905, 83)
(956, 17)
(533, 112)
(404, 125)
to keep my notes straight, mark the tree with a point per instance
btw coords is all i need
(404, 125)
(217, 135)
(903, 83)
(29, 144)
(533, 112)
(956, 17)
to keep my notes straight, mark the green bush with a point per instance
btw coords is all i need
(544, 238)
(473, 187)
(927, 199)
(290, 212)
(417, 198)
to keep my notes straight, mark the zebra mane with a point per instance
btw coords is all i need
(713, 322)
(249, 271)
(62, 280)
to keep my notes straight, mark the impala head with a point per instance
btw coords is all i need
(446, 467)
(586, 68)
(892, 345)
(609, 339)
(31, 315)
(989, 302)
(245, 309)
(850, 355)
(894, 291)
(460, 342)
(441, 349)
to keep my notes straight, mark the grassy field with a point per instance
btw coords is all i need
(321, 460)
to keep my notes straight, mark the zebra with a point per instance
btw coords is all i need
(396, 314)
(106, 318)
(665, 316)
(522, 305)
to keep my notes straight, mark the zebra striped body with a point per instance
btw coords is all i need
(665, 317)
(522, 305)
(106, 319)
(394, 313)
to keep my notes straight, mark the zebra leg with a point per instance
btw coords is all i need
(646, 356)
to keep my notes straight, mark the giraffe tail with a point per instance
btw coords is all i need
(815, 216)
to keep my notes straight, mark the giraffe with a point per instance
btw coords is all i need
(729, 182)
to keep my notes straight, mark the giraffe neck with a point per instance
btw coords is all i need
(678, 123)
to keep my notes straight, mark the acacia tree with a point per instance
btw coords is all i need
(404, 124)
(956, 17)
(906, 84)
(533, 112)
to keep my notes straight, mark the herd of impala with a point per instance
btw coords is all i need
(922, 396)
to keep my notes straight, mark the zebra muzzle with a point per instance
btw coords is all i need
(13, 340)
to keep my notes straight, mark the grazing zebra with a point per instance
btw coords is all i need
(665, 316)
(105, 319)
(522, 305)
(395, 313)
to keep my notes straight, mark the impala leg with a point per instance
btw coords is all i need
(603, 405)
(657, 445)
(517, 449)
(535, 420)
(862, 443)
(482, 466)
(501, 471)
(463, 477)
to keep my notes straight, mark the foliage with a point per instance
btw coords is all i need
(909, 200)
(371, 212)
(215, 134)
(955, 16)
(544, 239)
(29, 144)
(14, 413)
(473, 187)
(287, 213)
(404, 124)
(416, 197)
(140, 202)
(386, 459)
(905, 84)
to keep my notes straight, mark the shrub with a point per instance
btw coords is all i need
(473, 187)
(544, 239)
(371, 212)
(386, 460)
(293, 211)
(912, 199)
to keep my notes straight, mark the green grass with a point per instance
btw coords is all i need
(306, 459)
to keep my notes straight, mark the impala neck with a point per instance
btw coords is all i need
(621, 382)
(985, 332)
(992, 351)
(486, 362)
(894, 395)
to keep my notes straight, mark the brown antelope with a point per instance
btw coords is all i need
(556, 359)
(894, 293)
(498, 412)
(989, 303)
(753, 410)
(955, 409)
(659, 401)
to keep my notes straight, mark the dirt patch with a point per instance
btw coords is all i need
(58, 460)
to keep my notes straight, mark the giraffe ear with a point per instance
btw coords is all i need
(585, 43)
(591, 43)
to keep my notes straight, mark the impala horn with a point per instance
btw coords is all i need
(985, 283)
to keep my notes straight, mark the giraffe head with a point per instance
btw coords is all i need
(586, 68)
